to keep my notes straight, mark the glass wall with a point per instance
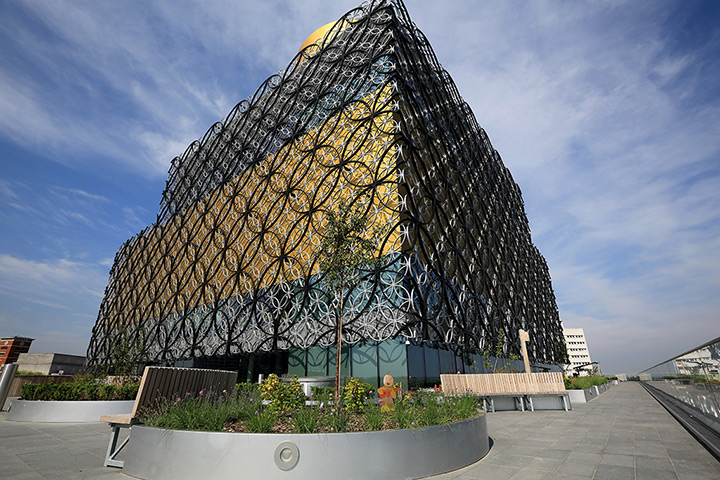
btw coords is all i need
(364, 361)
(432, 364)
(297, 358)
(416, 366)
(410, 364)
(392, 359)
(317, 362)
(693, 379)
(344, 361)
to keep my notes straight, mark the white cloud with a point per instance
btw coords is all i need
(35, 280)
(591, 106)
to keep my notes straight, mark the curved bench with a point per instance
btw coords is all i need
(160, 384)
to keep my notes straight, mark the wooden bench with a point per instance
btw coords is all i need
(522, 387)
(161, 384)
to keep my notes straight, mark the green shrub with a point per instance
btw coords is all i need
(581, 383)
(283, 397)
(355, 394)
(28, 372)
(322, 394)
(78, 391)
(247, 390)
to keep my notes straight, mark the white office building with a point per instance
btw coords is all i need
(578, 352)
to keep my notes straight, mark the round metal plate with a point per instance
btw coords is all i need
(286, 455)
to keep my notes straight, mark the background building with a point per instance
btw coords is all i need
(228, 275)
(702, 362)
(51, 363)
(11, 347)
(578, 352)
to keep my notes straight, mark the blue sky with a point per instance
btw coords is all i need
(607, 113)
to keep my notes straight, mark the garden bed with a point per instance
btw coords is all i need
(155, 453)
(83, 400)
(586, 394)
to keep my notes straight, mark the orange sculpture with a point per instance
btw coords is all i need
(387, 393)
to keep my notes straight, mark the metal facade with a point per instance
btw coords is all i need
(230, 265)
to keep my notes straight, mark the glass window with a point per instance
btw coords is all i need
(447, 361)
(392, 357)
(462, 364)
(477, 366)
(365, 362)
(344, 361)
(416, 365)
(317, 362)
(432, 364)
(296, 361)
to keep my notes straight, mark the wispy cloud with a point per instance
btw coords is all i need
(606, 113)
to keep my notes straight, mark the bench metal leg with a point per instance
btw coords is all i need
(113, 449)
(519, 403)
(565, 402)
(531, 407)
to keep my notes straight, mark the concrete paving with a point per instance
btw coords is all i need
(30, 451)
(622, 434)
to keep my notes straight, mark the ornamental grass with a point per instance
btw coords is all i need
(264, 409)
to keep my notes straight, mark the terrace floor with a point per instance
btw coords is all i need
(622, 434)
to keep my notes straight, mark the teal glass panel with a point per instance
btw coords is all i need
(447, 361)
(296, 361)
(416, 365)
(392, 359)
(477, 366)
(365, 362)
(432, 364)
(459, 363)
(344, 361)
(317, 362)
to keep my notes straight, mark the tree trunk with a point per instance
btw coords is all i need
(340, 308)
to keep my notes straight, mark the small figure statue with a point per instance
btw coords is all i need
(387, 393)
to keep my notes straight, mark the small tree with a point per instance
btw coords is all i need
(492, 356)
(128, 350)
(347, 248)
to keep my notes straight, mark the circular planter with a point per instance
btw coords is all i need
(154, 453)
(66, 411)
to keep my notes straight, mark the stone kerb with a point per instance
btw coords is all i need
(66, 411)
(394, 454)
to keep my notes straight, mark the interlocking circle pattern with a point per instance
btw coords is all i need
(231, 264)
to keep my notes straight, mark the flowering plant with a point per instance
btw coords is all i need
(356, 394)
(283, 397)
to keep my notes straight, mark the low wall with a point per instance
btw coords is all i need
(71, 411)
(584, 396)
(154, 453)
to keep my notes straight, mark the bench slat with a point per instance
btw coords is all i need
(166, 383)
(505, 383)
